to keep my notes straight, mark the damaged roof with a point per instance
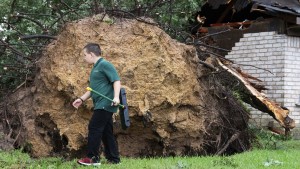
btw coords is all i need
(271, 6)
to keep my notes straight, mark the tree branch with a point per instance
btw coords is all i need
(70, 8)
(32, 20)
(27, 37)
(13, 49)
(233, 137)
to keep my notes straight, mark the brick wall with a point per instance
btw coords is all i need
(275, 59)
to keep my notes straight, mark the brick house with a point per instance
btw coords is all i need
(276, 58)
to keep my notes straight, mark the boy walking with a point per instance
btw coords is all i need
(105, 80)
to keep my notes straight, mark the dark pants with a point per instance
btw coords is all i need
(101, 128)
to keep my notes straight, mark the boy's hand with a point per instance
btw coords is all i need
(116, 102)
(77, 103)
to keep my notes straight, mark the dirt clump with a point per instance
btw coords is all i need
(176, 107)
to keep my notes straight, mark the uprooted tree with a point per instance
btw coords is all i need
(179, 103)
(173, 109)
(177, 106)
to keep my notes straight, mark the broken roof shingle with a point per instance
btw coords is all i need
(285, 6)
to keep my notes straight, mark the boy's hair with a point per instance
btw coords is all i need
(93, 48)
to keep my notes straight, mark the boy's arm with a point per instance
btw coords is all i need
(117, 87)
(81, 99)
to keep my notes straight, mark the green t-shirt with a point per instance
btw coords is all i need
(102, 77)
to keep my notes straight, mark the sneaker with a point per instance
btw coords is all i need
(88, 161)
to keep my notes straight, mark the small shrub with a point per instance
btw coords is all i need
(264, 139)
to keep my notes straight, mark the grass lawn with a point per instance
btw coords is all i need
(285, 156)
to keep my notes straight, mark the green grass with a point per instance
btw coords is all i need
(285, 156)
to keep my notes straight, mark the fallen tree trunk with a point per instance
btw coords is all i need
(259, 100)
